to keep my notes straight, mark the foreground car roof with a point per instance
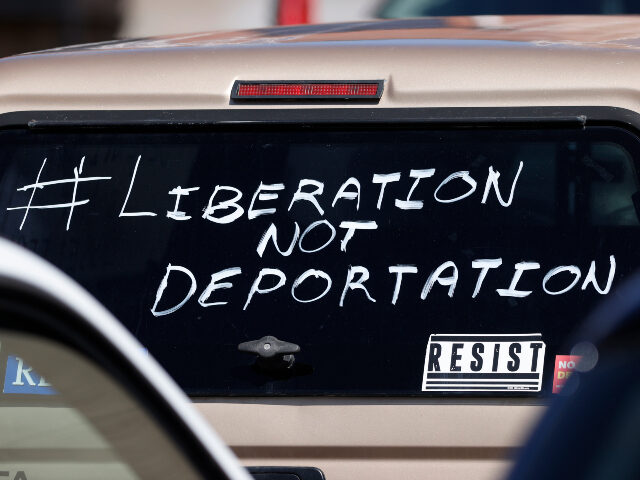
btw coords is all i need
(458, 61)
(21, 268)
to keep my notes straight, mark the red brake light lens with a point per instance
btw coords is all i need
(307, 90)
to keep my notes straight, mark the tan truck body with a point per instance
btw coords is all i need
(445, 62)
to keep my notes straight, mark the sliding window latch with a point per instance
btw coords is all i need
(272, 353)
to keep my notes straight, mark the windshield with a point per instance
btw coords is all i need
(64, 417)
(401, 261)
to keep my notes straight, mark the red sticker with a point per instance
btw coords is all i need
(565, 365)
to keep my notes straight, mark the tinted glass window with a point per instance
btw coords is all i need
(400, 261)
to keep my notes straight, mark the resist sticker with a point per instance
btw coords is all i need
(477, 363)
(565, 365)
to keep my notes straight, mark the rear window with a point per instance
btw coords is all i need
(402, 261)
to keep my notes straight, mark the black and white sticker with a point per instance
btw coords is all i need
(483, 363)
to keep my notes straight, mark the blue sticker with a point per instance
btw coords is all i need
(21, 378)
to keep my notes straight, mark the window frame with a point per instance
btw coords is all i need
(449, 118)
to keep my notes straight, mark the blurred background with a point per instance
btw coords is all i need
(30, 25)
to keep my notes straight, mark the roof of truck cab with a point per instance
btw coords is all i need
(590, 31)
(445, 61)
